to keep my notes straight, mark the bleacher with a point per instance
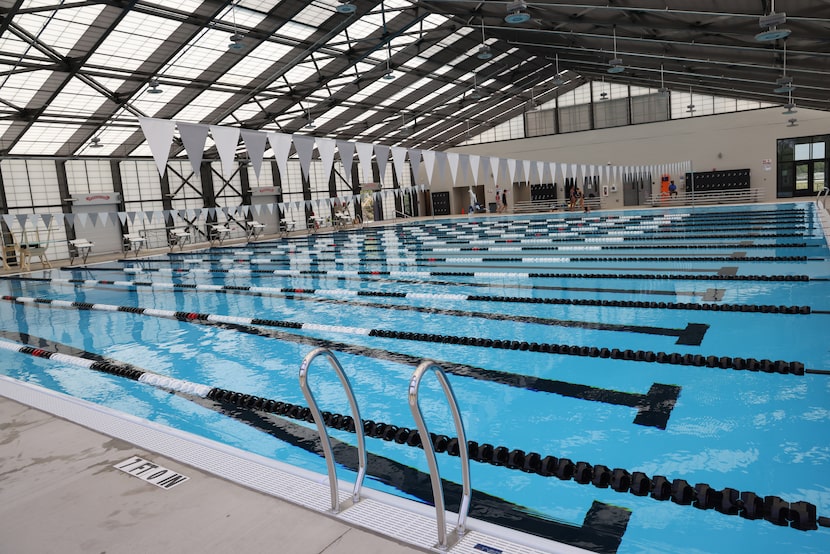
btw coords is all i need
(555, 205)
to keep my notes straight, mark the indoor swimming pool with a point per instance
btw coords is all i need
(637, 381)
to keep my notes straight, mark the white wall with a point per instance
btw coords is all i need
(726, 141)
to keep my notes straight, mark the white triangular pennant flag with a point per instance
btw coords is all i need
(415, 161)
(511, 169)
(364, 154)
(526, 170)
(429, 163)
(304, 145)
(281, 146)
(122, 216)
(193, 139)
(452, 161)
(159, 135)
(398, 162)
(326, 148)
(82, 218)
(346, 150)
(382, 156)
(474, 161)
(442, 166)
(255, 145)
(494, 168)
(226, 139)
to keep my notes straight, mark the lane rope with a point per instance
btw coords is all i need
(800, 515)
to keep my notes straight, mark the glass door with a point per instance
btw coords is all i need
(809, 177)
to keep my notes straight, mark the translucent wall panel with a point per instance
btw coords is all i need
(88, 176)
(611, 113)
(575, 118)
(540, 122)
(649, 108)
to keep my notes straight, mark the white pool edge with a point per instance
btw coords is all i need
(382, 513)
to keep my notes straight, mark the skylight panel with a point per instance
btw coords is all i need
(254, 63)
(259, 5)
(60, 29)
(20, 88)
(111, 140)
(369, 90)
(329, 115)
(294, 31)
(198, 55)
(44, 139)
(203, 105)
(432, 95)
(11, 45)
(151, 104)
(76, 98)
(299, 73)
(134, 40)
(313, 15)
(365, 26)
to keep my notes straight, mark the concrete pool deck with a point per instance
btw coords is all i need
(59, 492)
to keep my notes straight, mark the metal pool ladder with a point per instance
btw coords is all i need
(435, 478)
(336, 506)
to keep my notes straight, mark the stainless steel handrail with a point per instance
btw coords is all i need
(435, 478)
(336, 506)
(823, 193)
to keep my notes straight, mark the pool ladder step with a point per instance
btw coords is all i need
(446, 539)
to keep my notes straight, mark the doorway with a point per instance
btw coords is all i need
(810, 177)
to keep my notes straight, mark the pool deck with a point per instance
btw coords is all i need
(61, 493)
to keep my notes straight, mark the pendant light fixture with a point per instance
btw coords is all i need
(785, 83)
(236, 37)
(616, 63)
(771, 22)
(484, 52)
(662, 90)
(558, 81)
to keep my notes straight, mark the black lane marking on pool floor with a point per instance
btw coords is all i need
(799, 515)
(601, 531)
(691, 335)
(653, 408)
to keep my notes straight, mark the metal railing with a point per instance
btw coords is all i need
(435, 478)
(336, 506)
(821, 197)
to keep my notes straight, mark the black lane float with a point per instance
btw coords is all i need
(799, 515)
(691, 335)
(489, 274)
(674, 358)
(653, 408)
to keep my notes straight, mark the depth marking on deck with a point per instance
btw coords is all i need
(152, 473)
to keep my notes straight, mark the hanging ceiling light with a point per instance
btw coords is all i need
(789, 105)
(616, 63)
(604, 94)
(405, 130)
(476, 94)
(558, 81)
(154, 87)
(95, 142)
(484, 52)
(771, 22)
(662, 90)
(785, 83)
(310, 124)
(345, 7)
(236, 37)
(516, 14)
(691, 107)
(793, 122)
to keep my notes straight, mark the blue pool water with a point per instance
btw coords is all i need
(749, 283)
